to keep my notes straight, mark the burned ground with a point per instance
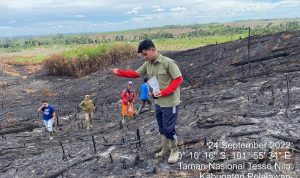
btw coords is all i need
(237, 92)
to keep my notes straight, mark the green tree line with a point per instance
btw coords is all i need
(198, 30)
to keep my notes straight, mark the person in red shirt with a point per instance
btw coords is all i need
(128, 98)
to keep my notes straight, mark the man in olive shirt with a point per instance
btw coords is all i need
(167, 99)
(87, 105)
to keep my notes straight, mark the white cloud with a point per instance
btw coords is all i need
(79, 16)
(177, 9)
(247, 6)
(157, 8)
(86, 4)
(5, 27)
(288, 4)
(133, 11)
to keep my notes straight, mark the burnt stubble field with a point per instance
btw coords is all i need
(244, 92)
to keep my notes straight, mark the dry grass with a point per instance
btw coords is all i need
(12, 73)
(47, 92)
(23, 63)
(9, 120)
(30, 90)
(9, 70)
(9, 67)
(287, 36)
(30, 69)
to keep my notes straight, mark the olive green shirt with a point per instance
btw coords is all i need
(87, 106)
(165, 70)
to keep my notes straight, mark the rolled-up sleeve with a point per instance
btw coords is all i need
(174, 70)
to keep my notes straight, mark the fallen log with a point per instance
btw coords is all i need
(270, 57)
(3, 168)
(114, 144)
(259, 114)
(61, 171)
(19, 129)
(238, 134)
(188, 142)
(231, 124)
(12, 148)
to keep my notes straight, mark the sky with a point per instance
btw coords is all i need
(42, 17)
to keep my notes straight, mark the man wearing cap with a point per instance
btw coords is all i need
(128, 98)
(170, 78)
(87, 105)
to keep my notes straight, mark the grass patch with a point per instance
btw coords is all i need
(86, 60)
(34, 59)
(24, 60)
(177, 44)
(85, 52)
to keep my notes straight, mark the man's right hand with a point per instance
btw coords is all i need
(115, 70)
(40, 108)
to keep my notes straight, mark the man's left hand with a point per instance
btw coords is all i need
(115, 70)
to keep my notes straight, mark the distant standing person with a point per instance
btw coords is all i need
(88, 107)
(128, 98)
(169, 78)
(145, 93)
(48, 116)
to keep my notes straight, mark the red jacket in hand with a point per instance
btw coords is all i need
(167, 91)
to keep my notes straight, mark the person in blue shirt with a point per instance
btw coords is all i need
(48, 116)
(145, 93)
